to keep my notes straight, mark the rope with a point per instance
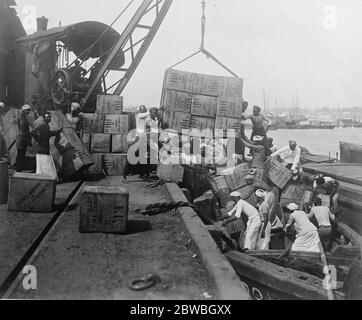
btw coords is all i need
(203, 25)
(105, 31)
(162, 207)
(202, 45)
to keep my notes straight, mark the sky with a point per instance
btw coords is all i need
(310, 49)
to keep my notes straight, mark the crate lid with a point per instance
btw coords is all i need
(32, 176)
(105, 189)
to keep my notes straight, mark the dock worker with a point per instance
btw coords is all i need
(141, 119)
(74, 117)
(254, 222)
(290, 155)
(23, 139)
(2, 133)
(151, 122)
(307, 238)
(257, 120)
(266, 202)
(243, 140)
(77, 72)
(272, 147)
(44, 160)
(324, 218)
(330, 186)
(202, 169)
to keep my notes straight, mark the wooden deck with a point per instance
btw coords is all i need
(347, 172)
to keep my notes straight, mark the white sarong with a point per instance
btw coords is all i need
(263, 243)
(45, 166)
(252, 232)
(307, 242)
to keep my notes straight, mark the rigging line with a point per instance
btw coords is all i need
(203, 25)
(108, 28)
(187, 58)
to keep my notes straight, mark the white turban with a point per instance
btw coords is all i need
(2, 105)
(74, 106)
(258, 138)
(260, 193)
(235, 194)
(25, 107)
(292, 206)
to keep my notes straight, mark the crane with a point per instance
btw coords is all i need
(126, 44)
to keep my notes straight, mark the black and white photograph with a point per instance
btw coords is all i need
(180, 155)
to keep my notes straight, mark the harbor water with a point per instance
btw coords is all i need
(317, 141)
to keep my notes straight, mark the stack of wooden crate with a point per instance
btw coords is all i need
(104, 134)
(195, 102)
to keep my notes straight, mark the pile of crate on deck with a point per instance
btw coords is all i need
(104, 134)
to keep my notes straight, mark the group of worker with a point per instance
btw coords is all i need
(263, 219)
(29, 126)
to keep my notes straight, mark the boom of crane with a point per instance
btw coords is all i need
(126, 43)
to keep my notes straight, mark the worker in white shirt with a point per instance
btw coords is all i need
(307, 238)
(290, 154)
(74, 117)
(141, 119)
(254, 221)
(324, 217)
(330, 186)
(266, 202)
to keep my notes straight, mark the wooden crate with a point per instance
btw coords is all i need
(87, 121)
(86, 140)
(10, 126)
(119, 143)
(224, 123)
(109, 104)
(177, 101)
(170, 172)
(30, 192)
(202, 126)
(100, 143)
(179, 80)
(278, 173)
(97, 167)
(114, 164)
(235, 179)
(116, 124)
(204, 105)
(177, 120)
(230, 107)
(103, 210)
(230, 87)
(205, 84)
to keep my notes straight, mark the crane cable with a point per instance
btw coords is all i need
(104, 32)
(202, 45)
(203, 25)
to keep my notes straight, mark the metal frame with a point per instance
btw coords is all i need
(138, 48)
